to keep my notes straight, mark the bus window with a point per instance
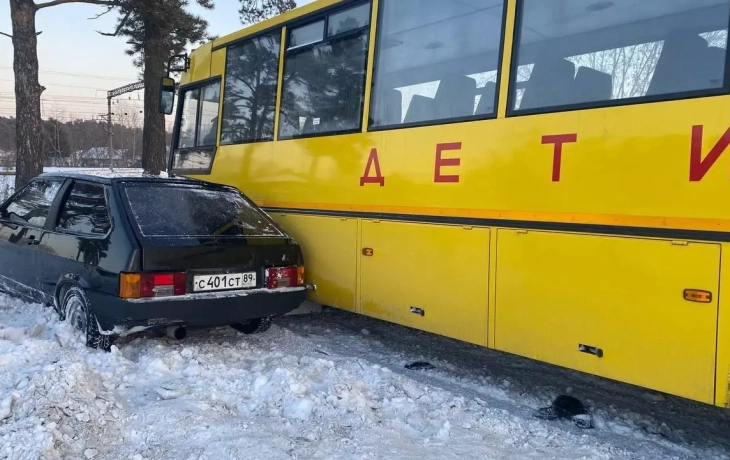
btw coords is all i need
(249, 98)
(436, 63)
(208, 116)
(306, 35)
(198, 129)
(348, 20)
(324, 82)
(189, 119)
(595, 52)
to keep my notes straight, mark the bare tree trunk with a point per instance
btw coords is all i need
(29, 130)
(153, 133)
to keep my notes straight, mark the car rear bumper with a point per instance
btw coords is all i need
(193, 310)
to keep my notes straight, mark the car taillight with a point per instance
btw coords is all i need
(140, 285)
(277, 277)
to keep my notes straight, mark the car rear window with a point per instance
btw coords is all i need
(191, 211)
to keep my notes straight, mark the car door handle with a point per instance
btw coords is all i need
(32, 241)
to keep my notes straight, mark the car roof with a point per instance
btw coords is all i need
(105, 176)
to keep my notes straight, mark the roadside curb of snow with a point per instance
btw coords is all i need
(58, 404)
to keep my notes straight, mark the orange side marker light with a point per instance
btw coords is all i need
(697, 295)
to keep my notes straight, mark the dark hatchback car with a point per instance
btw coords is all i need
(120, 254)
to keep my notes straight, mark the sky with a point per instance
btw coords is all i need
(78, 66)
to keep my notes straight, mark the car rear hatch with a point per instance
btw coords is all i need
(201, 238)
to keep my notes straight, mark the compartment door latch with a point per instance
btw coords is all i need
(590, 350)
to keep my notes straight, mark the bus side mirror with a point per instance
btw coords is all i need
(167, 95)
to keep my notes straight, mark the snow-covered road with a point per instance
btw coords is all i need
(329, 386)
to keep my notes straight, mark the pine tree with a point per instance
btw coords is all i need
(253, 11)
(28, 90)
(156, 31)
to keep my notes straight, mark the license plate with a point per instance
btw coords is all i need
(224, 282)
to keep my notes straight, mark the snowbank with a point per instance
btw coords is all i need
(7, 183)
(53, 403)
(306, 389)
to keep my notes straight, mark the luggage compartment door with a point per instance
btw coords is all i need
(611, 306)
(431, 277)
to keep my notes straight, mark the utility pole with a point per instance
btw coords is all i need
(110, 132)
(110, 126)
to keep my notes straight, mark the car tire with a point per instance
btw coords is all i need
(254, 326)
(77, 311)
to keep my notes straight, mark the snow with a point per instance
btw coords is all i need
(7, 183)
(100, 153)
(101, 172)
(314, 387)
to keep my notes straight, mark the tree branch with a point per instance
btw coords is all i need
(109, 8)
(122, 23)
(9, 36)
(111, 3)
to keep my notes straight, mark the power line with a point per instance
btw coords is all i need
(80, 108)
(79, 75)
(12, 94)
(63, 98)
(49, 106)
(58, 84)
(72, 115)
(83, 100)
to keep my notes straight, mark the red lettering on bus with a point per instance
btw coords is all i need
(443, 162)
(697, 166)
(558, 140)
(372, 162)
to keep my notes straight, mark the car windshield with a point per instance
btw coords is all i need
(173, 210)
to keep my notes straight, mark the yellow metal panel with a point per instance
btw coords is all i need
(358, 298)
(218, 63)
(235, 161)
(200, 60)
(330, 252)
(280, 82)
(621, 295)
(371, 64)
(218, 67)
(505, 171)
(722, 385)
(441, 269)
(492, 292)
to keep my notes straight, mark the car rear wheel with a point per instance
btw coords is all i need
(254, 326)
(77, 311)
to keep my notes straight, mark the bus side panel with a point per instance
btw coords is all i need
(199, 65)
(218, 63)
(440, 271)
(611, 306)
(329, 245)
(722, 385)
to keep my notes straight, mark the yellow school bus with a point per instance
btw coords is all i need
(548, 178)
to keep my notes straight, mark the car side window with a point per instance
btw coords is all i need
(85, 210)
(32, 204)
